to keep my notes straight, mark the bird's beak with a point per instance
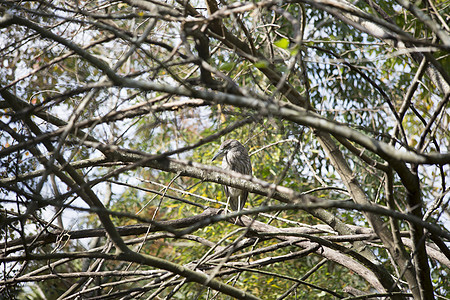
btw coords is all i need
(218, 154)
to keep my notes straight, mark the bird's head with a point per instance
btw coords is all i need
(227, 146)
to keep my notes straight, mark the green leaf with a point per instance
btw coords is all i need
(228, 66)
(283, 43)
(261, 64)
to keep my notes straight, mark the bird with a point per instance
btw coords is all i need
(235, 158)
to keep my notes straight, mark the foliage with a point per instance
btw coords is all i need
(112, 110)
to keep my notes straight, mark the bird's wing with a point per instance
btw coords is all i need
(226, 190)
(238, 201)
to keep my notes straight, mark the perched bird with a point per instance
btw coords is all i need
(235, 158)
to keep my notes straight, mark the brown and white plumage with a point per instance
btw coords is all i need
(235, 158)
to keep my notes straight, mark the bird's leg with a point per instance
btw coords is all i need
(226, 206)
(236, 219)
(238, 209)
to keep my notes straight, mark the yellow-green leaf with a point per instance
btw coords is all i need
(283, 43)
(261, 64)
